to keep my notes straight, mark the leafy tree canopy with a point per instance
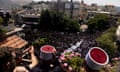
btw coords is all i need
(106, 41)
(58, 22)
(100, 22)
(40, 41)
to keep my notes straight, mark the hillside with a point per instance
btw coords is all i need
(12, 3)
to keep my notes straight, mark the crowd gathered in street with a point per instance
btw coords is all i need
(65, 40)
(78, 42)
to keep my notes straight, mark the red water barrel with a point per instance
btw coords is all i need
(46, 52)
(96, 58)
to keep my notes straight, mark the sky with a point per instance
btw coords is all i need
(99, 2)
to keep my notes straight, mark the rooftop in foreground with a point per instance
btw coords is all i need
(13, 41)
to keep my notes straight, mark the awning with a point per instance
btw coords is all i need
(13, 41)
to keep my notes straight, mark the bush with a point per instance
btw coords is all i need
(75, 63)
(40, 42)
(2, 33)
(107, 41)
(73, 60)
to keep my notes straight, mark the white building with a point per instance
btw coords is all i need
(21, 2)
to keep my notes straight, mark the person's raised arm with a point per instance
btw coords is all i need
(33, 58)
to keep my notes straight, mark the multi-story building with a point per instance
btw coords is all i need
(110, 8)
(71, 9)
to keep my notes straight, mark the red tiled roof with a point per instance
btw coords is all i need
(14, 41)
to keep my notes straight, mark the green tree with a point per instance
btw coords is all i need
(118, 21)
(100, 22)
(73, 26)
(2, 33)
(1, 20)
(107, 41)
(45, 20)
(57, 22)
(40, 42)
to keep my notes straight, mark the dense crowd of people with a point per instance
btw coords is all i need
(10, 59)
(65, 40)
(61, 41)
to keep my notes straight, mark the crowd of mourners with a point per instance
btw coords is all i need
(61, 41)
(65, 40)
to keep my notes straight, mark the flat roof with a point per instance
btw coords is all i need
(103, 12)
(31, 16)
(14, 31)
